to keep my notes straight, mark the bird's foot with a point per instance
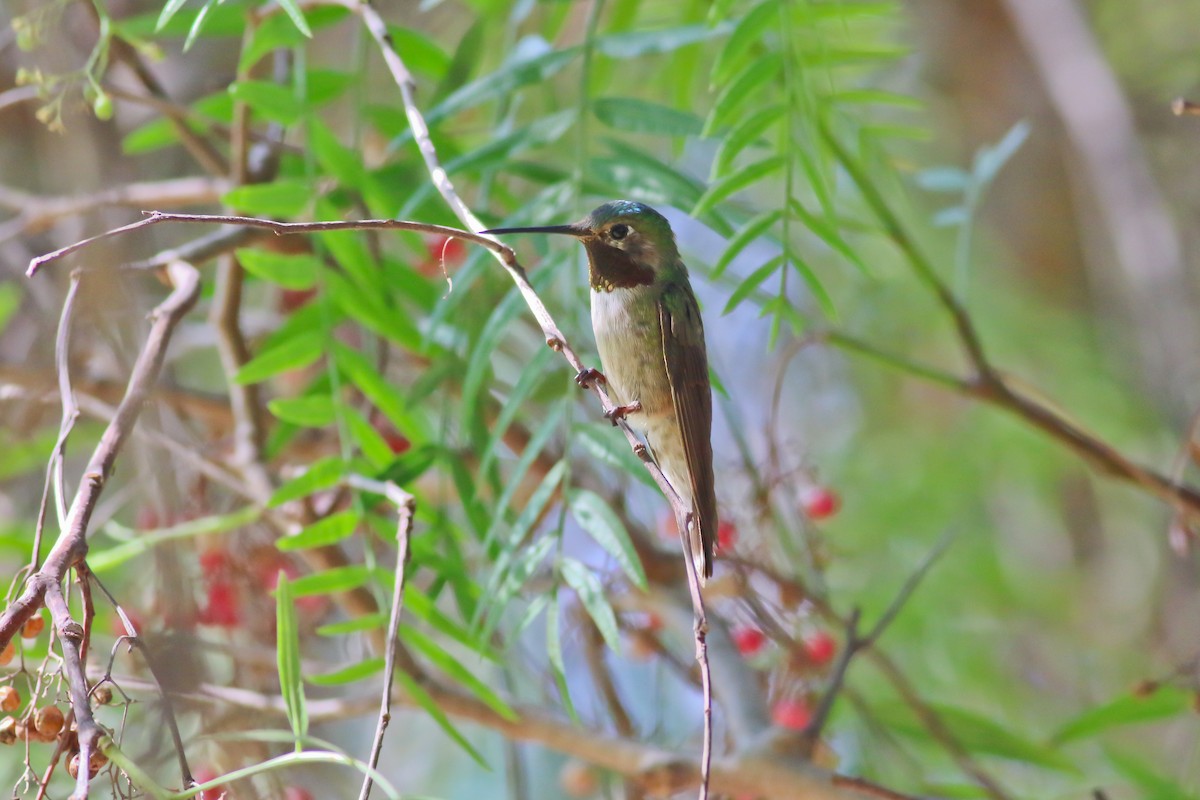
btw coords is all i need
(621, 412)
(588, 376)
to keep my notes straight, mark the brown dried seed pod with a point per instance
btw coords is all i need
(10, 698)
(102, 695)
(49, 721)
(73, 766)
(8, 730)
(8, 654)
(32, 627)
(97, 762)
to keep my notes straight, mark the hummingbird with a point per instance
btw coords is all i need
(651, 341)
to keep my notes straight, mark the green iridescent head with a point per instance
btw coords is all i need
(620, 236)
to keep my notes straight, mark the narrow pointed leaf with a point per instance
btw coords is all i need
(606, 529)
(323, 532)
(294, 353)
(349, 674)
(591, 593)
(291, 684)
(737, 181)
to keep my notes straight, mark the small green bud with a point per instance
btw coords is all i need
(102, 107)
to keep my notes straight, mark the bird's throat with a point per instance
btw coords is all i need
(610, 268)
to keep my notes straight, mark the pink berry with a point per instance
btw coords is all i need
(792, 713)
(727, 536)
(820, 648)
(748, 640)
(297, 793)
(819, 502)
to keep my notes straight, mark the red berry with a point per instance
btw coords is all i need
(296, 793)
(444, 252)
(819, 502)
(820, 648)
(214, 562)
(292, 299)
(792, 713)
(727, 536)
(147, 519)
(653, 623)
(222, 607)
(204, 775)
(397, 442)
(749, 640)
(668, 530)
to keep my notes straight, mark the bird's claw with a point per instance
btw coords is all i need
(621, 412)
(587, 376)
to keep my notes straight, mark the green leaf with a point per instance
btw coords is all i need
(198, 23)
(749, 30)
(422, 644)
(274, 102)
(282, 198)
(291, 271)
(1165, 702)
(754, 228)
(320, 475)
(422, 699)
(503, 82)
(316, 411)
(950, 180)
(291, 685)
(10, 301)
(875, 97)
(554, 654)
(630, 115)
(371, 310)
(335, 159)
(989, 160)
(327, 531)
(369, 441)
(748, 83)
(978, 734)
(367, 622)
(425, 609)
(169, 10)
(102, 559)
(591, 594)
(479, 365)
(354, 672)
(274, 32)
(421, 53)
(743, 134)
(605, 527)
(296, 15)
(634, 44)
(160, 132)
(359, 371)
(338, 579)
(609, 447)
(747, 287)
(294, 353)
(737, 181)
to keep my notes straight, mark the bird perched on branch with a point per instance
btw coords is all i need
(651, 342)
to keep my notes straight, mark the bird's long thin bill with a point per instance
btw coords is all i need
(569, 230)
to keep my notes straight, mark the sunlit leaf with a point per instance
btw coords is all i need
(323, 532)
(294, 353)
(320, 475)
(1164, 702)
(348, 674)
(631, 115)
(289, 270)
(291, 684)
(591, 593)
(606, 529)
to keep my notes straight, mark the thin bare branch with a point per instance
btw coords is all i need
(405, 507)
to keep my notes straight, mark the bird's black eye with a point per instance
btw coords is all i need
(619, 231)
